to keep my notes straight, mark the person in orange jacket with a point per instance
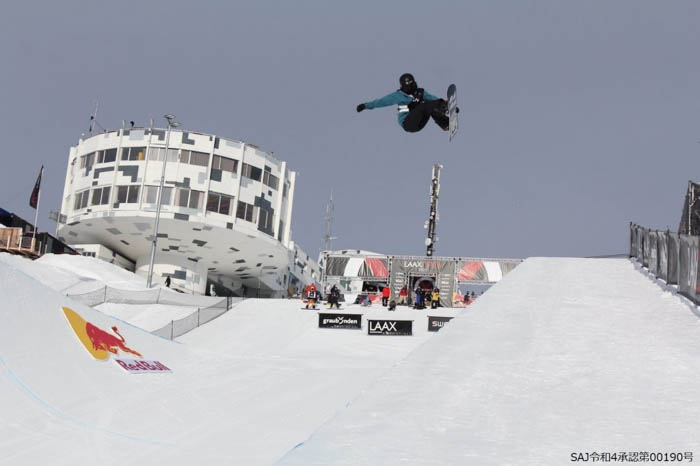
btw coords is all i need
(386, 293)
(311, 296)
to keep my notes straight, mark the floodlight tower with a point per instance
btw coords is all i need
(328, 235)
(171, 124)
(431, 223)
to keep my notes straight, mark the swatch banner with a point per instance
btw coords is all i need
(339, 320)
(389, 327)
(435, 323)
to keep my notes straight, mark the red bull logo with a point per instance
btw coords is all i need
(98, 342)
(102, 340)
(101, 343)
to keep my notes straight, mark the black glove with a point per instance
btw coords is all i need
(418, 95)
(360, 108)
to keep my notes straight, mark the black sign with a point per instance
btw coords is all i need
(339, 320)
(389, 327)
(436, 323)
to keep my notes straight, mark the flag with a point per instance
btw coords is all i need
(35, 193)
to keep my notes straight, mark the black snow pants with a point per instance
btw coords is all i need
(421, 113)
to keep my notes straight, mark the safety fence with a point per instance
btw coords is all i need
(177, 328)
(671, 257)
(208, 308)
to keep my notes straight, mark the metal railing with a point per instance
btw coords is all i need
(668, 256)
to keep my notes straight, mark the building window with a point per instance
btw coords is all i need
(285, 190)
(189, 198)
(271, 180)
(249, 171)
(246, 211)
(265, 222)
(81, 200)
(219, 203)
(224, 164)
(87, 161)
(152, 195)
(106, 156)
(133, 153)
(128, 194)
(158, 153)
(281, 231)
(100, 196)
(194, 158)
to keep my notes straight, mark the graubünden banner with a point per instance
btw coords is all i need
(326, 320)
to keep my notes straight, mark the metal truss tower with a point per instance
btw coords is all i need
(431, 223)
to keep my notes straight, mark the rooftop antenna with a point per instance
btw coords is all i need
(93, 117)
(431, 223)
(328, 235)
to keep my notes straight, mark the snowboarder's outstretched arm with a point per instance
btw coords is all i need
(395, 98)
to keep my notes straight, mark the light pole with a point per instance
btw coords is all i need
(171, 124)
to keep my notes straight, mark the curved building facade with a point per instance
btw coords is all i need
(225, 216)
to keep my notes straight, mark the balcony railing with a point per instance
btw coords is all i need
(15, 241)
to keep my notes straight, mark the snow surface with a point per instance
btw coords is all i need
(561, 356)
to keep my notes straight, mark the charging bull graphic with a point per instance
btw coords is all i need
(96, 341)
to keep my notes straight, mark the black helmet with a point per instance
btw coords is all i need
(408, 83)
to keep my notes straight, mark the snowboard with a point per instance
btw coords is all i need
(452, 110)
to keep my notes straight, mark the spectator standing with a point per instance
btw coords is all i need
(386, 292)
(419, 298)
(167, 281)
(435, 301)
(334, 297)
(402, 295)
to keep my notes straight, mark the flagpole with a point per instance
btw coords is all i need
(36, 215)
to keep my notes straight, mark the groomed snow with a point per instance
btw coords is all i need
(562, 356)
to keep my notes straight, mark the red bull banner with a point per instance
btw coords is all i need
(101, 343)
(141, 366)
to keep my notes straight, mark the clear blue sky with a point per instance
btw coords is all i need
(577, 117)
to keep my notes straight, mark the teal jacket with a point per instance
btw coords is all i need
(398, 98)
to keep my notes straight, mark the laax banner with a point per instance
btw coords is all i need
(339, 320)
(100, 343)
(435, 323)
(389, 327)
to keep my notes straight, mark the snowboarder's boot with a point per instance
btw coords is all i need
(441, 115)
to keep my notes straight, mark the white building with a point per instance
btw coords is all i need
(225, 217)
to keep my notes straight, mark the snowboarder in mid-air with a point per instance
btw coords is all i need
(415, 105)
